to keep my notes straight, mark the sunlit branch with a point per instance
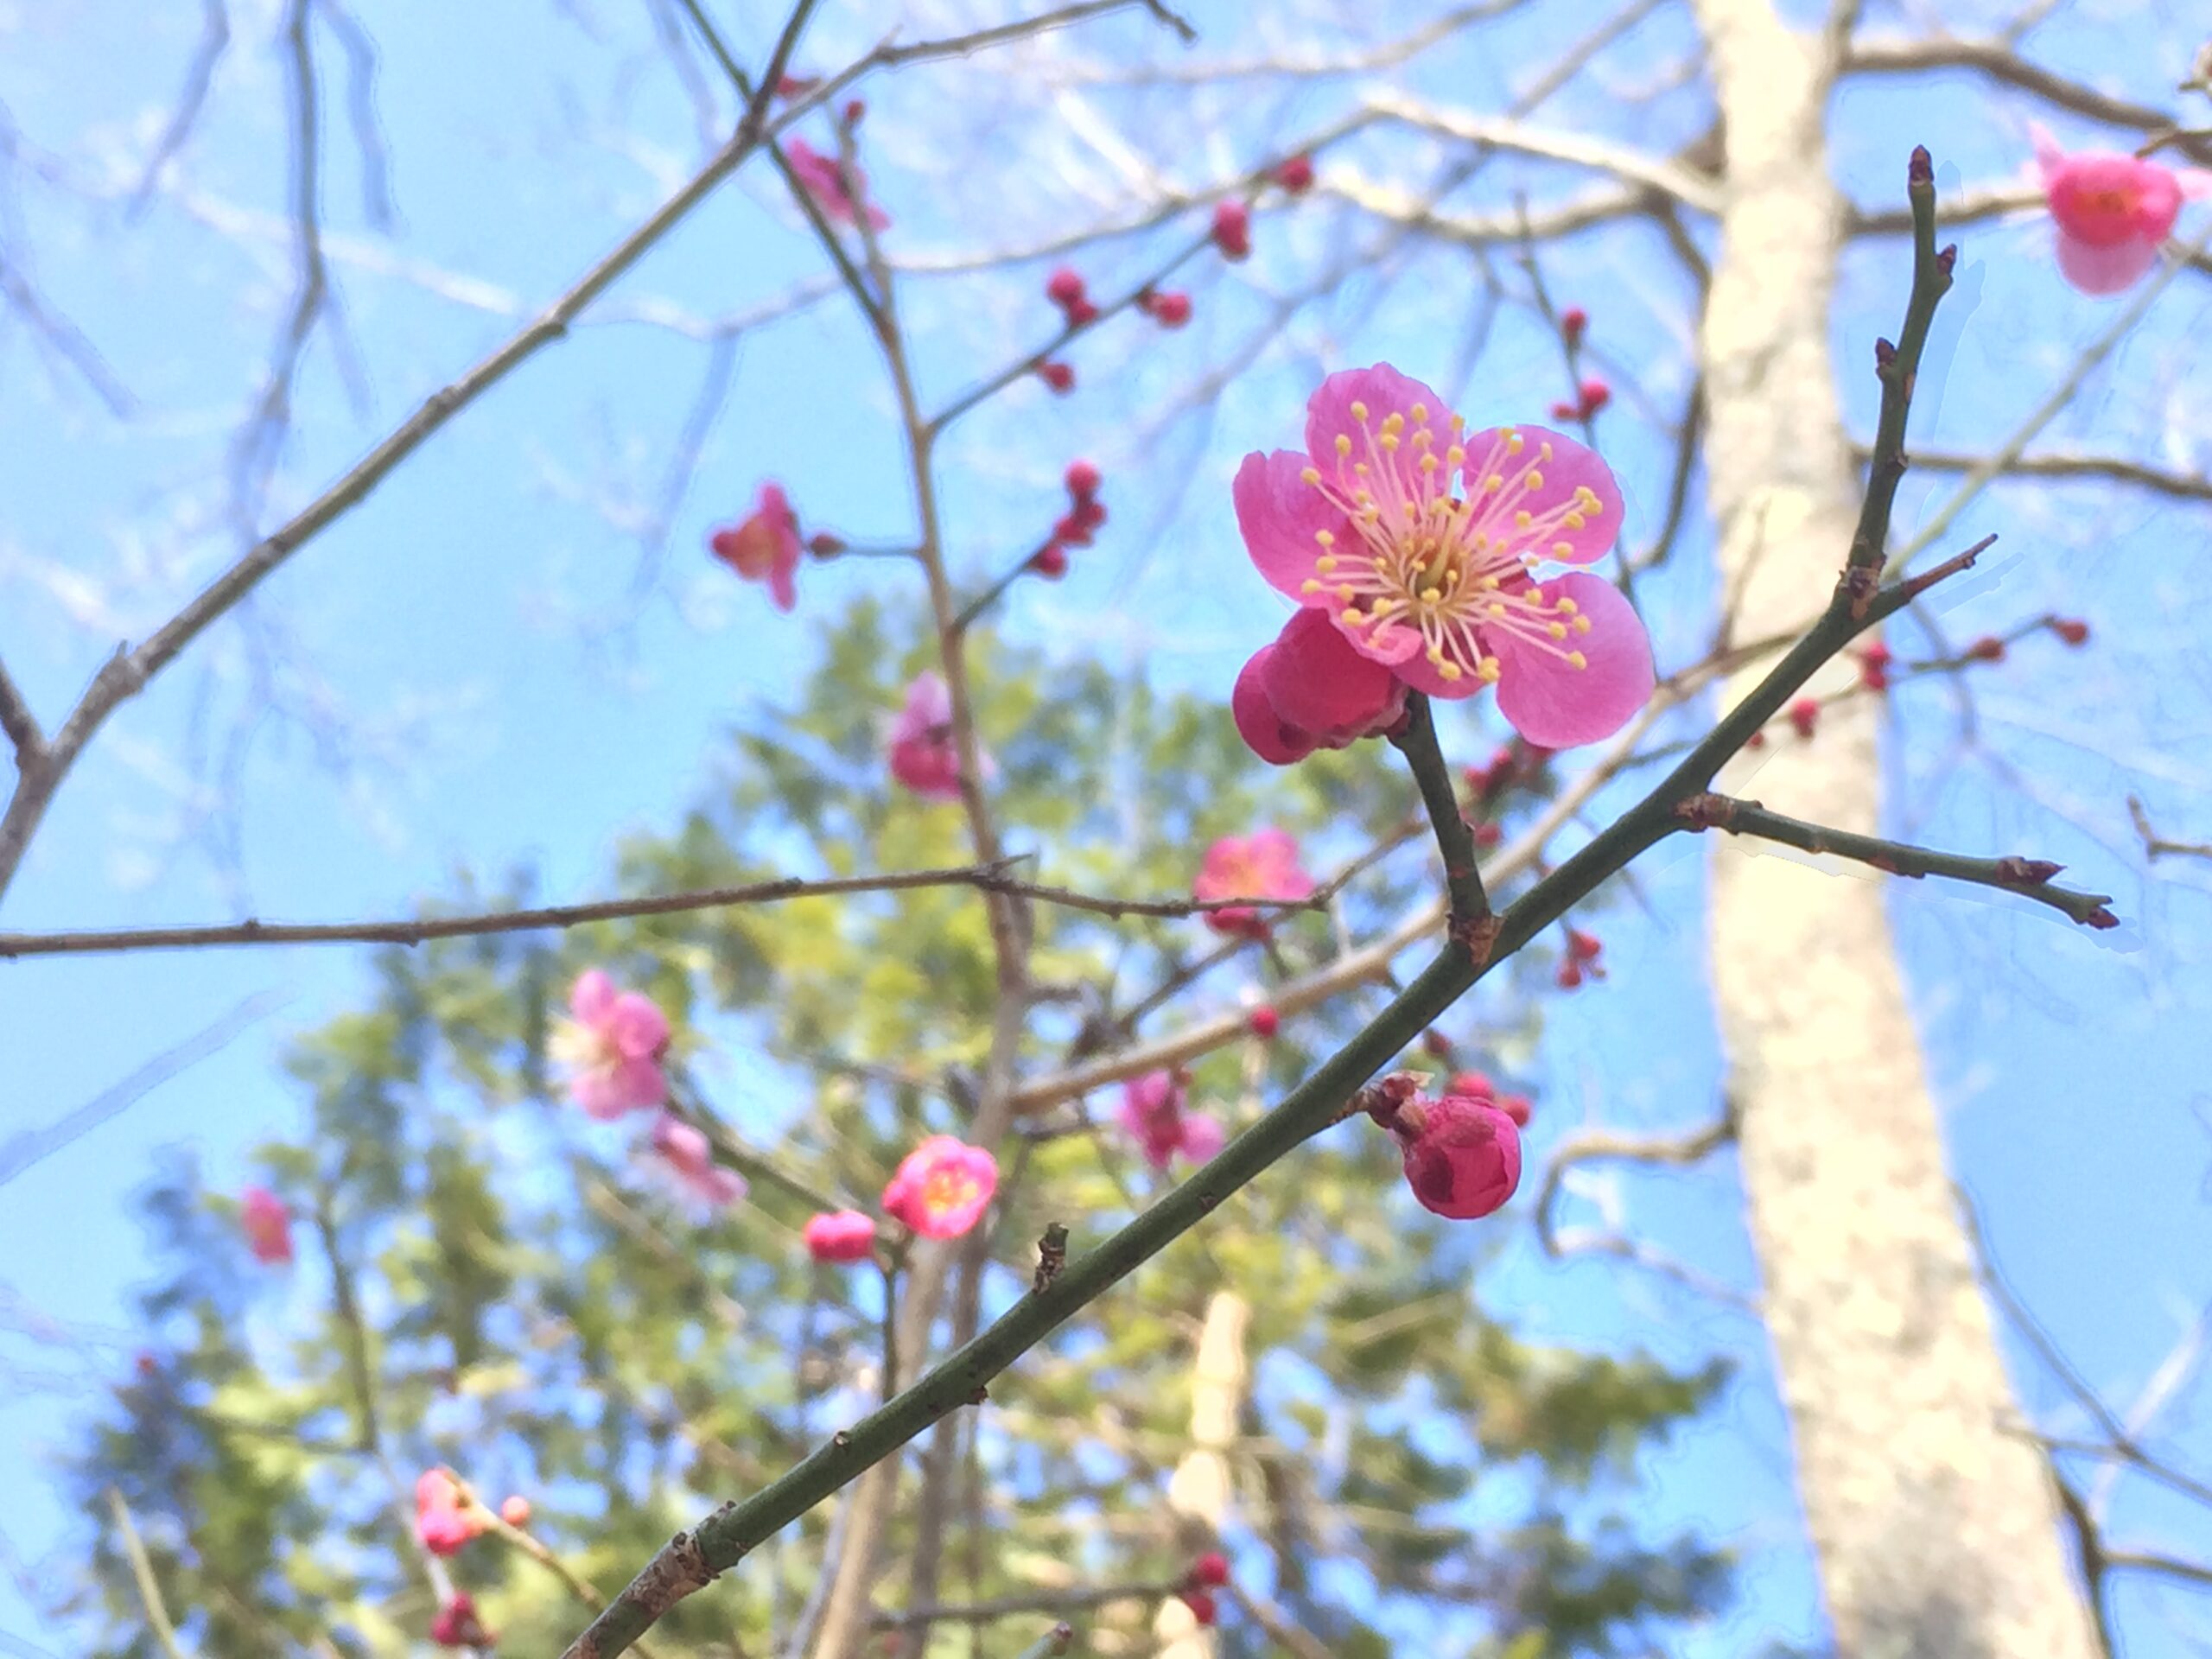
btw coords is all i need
(2155, 846)
(141, 1573)
(1650, 172)
(2186, 486)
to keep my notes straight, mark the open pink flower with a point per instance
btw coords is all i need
(1154, 1109)
(921, 750)
(2113, 212)
(686, 1158)
(1441, 586)
(840, 1236)
(819, 174)
(942, 1188)
(764, 546)
(1462, 1153)
(613, 1048)
(444, 1517)
(267, 1224)
(1262, 865)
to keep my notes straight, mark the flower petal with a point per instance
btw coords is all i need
(637, 1025)
(2099, 271)
(1558, 706)
(1570, 466)
(1265, 732)
(1383, 391)
(1318, 680)
(591, 996)
(1280, 515)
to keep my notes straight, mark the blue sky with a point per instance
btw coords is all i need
(486, 668)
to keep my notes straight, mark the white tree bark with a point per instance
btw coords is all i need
(1937, 1533)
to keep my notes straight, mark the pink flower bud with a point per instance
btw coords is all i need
(1058, 376)
(1487, 835)
(267, 1224)
(854, 109)
(1583, 947)
(1211, 1569)
(1475, 1086)
(1805, 716)
(1517, 1108)
(1874, 666)
(1988, 649)
(1264, 1021)
(1203, 1606)
(1064, 287)
(1050, 560)
(1567, 411)
(840, 1236)
(1232, 230)
(1569, 977)
(1572, 323)
(1082, 315)
(2072, 630)
(1436, 1043)
(1083, 480)
(1462, 1154)
(1170, 311)
(1596, 394)
(795, 86)
(515, 1510)
(1296, 175)
(824, 545)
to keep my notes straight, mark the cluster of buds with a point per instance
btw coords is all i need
(1510, 763)
(1592, 395)
(1583, 951)
(1477, 1085)
(1874, 666)
(1207, 1574)
(1171, 310)
(1065, 289)
(1076, 526)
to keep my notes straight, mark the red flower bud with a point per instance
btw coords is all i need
(1059, 377)
(1232, 230)
(1566, 412)
(1874, 666)
(1082, 315)
(794, 86)
(1050, 560)
(1988, 649)
(1596, 394)
(1756, 741)
(515, 1510)
(1211, 1569)
(2072, 630)
(1569, 977)
(1169, 310)
(1488, 835)
(1203, 1606)
(1462, 1154)
(1805, 714)
(1573, 322)
(1071, 531)
(1436, 1043)
(854, 111)
(1583, 947)
(1476, 1085)
(1517, 1108)
(824, 545)
(1264, 1022)
(1083, 480)
(1064, 287)
(1296, 175)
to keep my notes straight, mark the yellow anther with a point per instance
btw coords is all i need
(1582, 625)
(1326, 537)
(1523, 520)
(1310, 475)
(1390, 443)
(1455, 454)
(1514, 443)
(1493, 484)
(1565, 607)
(1490, 668)
(1360, 468)
(1394, 422)
(1536, 595)
(1544, 452)
(1451, 670)
(1577, 659)
(1531, 479)
(1573, 521)
(1458, 424)
(1343, 444)
(1562, 549)
(1326, 562)
(1430, 596)
(1345, 592)
(1428, 463)
(1421, 413)
(1423, 437)
(1436, 656)
(1309, 585)
(1489, 584)
(1350, 617)
(1359, 411)
(1557, 630)
(1496, 608)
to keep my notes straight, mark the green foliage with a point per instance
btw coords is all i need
(487, 1281)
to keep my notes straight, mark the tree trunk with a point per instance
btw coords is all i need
(1937, 1532)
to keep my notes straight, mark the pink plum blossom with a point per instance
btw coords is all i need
(942, 1188)
(1441, 587)
(685, 1157)
(764, 546)
(1312, 689)
(819, 175)
(1154, 1110)
(2113, 211)
(267, 1224)
(921, 750)
(1262, 865)
(613, 1048)
(1462, 1153)
(445, 1519)
(840, 1236)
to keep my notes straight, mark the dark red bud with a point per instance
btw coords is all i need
(1296, 175)
(1211, 1569)
(1988, 649)
(1083, 480)
(1805, 716)
(1201, 1605)
(1050, 560)
(853, 111)
(1170, 311)
(1436, 1043)
(1596, 394)
(1583, 947)
(1570, 975)
(824, 545)
(1058, 376)
(2072, 630)
(1264, 1021)
(1232, 230)
(1922, 168)
(1572, 323)
(1064, 287)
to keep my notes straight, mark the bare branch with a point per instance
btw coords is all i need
(214, 39)
(360, 51)
(1681, 1150)
(20, 724)
(1631, 166)
(2155, 846)
(142, 1572)
(2187, 486)
(989, 877)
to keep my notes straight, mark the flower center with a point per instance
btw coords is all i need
(1452, 568)
(948, 1189)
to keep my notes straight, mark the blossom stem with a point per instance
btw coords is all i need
(2030, 878)
(1463, 876)
(1055, 1640)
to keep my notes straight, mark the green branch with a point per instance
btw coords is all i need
(2029, 877)
(1463, 876)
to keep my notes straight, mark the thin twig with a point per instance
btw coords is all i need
(142, 1572)
(2155, 846)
